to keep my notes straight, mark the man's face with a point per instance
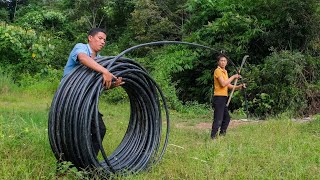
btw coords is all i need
(97, 41)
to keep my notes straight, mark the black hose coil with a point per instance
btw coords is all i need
(75, 107)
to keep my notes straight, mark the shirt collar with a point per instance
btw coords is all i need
(90, 52)
(223, 70)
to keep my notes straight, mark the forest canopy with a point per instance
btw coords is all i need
(280, 36)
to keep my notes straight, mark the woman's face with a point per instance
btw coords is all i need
(223, 62)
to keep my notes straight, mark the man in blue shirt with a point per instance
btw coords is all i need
(86, 55)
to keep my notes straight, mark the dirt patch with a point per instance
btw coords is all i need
(207, 125)
(233, 123)
(302, 120)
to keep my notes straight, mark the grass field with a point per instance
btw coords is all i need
(277, 148)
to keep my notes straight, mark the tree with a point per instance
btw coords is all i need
(12, 6)
(148, 23)
(91, 10)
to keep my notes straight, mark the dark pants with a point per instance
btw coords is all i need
(102, 130)
(221, 117)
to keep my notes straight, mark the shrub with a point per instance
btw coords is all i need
(23, 51)
(43, 83)
(165, 63)
(283, 84)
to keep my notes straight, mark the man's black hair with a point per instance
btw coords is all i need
(94, 31)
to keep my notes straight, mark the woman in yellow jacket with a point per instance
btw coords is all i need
(221, 85)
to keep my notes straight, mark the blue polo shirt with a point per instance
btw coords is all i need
(73, 57)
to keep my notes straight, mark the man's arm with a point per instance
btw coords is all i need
(91, 63)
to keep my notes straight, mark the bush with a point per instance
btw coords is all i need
(165, 63)
(42, 84)
(23, 51)
(283, 84)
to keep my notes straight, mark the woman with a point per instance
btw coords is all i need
(221, 85)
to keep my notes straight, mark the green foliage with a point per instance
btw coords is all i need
(262, 104)
(118, 14)
(149, 24)
(67, 170)
(4, 15)
(291, 27)
(282, 84)
(200, 13)
(151, 21)
(39, 35)
(42, 20)
(249, 27)
(194, 108)
(173, 59)
(232, 31)
(91, 11)
(195, 84)
(23, 51)
(224, 25)
(42, 84)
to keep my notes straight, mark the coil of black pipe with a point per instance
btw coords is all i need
(75, 107)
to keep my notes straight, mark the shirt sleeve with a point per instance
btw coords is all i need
(217, 73)
(78, 48)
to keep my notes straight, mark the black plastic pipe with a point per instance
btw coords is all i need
(75, 107)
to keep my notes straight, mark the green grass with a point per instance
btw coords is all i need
(272, 149)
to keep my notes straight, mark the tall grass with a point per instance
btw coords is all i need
(274, 149)
(6, 83)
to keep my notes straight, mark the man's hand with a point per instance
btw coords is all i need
(118, 82)
(107, 79)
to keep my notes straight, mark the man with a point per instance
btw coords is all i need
(86, 55)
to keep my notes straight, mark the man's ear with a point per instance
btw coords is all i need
(90, 38)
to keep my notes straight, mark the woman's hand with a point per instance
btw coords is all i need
(236, 76)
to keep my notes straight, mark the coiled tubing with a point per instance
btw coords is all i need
(75, 107)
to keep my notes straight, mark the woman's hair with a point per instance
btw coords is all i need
(221, 56)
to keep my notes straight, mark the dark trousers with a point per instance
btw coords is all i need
(221, 117)
(102, 130)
